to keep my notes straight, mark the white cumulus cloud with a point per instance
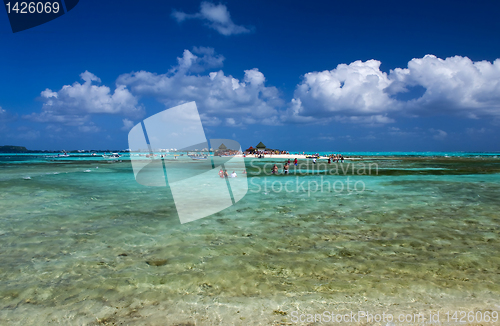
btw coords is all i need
(127, 124)
(216, 17)
(219, 98)
(353, 92)
(439, 134)
(361, 92)
(74, 104)
(199, 60)
(455, 85)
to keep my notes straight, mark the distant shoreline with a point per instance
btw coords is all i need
(348, 155)
(10, 149)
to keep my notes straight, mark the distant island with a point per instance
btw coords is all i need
(13, 149)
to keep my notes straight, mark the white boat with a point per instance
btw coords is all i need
(112, 155)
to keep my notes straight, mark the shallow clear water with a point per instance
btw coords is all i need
(95, 247)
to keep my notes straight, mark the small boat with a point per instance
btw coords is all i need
(112, 155)
(198, 157)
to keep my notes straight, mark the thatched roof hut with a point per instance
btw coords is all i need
(260, 146)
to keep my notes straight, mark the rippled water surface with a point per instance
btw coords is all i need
(416, 234)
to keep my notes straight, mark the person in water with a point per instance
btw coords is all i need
(295, 161)
(221, 173)
(314, 160)
(233, 175)
(285, 168)
(275, 169)
(226, 174)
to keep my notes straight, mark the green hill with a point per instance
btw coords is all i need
(13, 149)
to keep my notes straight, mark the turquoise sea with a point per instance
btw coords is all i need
(82, 243)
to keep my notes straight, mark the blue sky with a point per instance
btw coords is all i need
(323, 75)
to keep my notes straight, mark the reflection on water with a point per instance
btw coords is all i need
(97, 248)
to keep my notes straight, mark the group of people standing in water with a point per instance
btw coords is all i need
(225, 174)
(286, 166)
(335, 158)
